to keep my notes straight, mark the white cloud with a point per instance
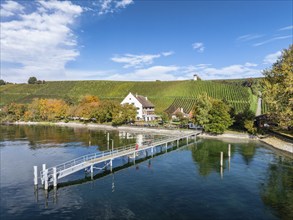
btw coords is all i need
(198, 46)
(169, 53)
(10, 8)
(228, 72)
(249, 37)
(123, 3)
(250, 64)
(40, 43)
(272, 58)
(138, 61)
(166, 73)
(272, 39)
(286, 28)
(111, 6)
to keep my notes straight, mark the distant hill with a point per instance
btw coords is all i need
(161, 93)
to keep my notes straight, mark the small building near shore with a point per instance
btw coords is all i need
(145, 110)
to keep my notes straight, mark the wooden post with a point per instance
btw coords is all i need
(35, 175)
(152, 151)
(108, 140)
(167, 147)
(187, 140)
(46, 179)
(54, 176)
(221, 161)
(43, 168)
(229, 150)
(92, 168)
(134, 157)
(111, 165)
(177, 143)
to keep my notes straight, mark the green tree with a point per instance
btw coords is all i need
(212, 114)
(32, 80)
(219, 118)
(249, 126)
(165, 117)
(2, 82)
(278, 89)
(200, 112)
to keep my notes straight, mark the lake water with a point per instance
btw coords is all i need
(185, 183)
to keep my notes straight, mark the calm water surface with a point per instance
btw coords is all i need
(186, 183)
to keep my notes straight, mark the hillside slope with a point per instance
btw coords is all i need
(161, 93)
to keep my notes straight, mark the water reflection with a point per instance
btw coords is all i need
(54, 136)
(277, 191)
(185, 184)
(207, 156)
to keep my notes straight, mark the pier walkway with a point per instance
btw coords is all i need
(88, 162)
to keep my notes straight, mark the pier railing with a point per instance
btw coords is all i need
(53, 173)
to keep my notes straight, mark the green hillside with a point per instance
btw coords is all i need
(161, 93)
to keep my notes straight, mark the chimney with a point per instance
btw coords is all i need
(135, 94)
(146, 98)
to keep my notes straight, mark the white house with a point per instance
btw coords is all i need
(145, 109)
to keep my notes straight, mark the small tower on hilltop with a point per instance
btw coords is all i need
(195, 77)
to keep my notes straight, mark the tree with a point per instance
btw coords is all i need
(212, 114)
(2, 82)
(278, 89)
(201, 109)
(219, 118)
(32, 80)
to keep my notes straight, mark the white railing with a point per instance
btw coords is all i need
(93, 156)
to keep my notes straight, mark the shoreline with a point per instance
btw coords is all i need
(271, 141)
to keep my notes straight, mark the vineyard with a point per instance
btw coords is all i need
(188, 103)
(160, 93)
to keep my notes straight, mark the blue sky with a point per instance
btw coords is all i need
(142, 40)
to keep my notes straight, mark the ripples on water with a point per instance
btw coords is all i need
(257, 183)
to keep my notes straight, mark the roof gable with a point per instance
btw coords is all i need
(145, 103)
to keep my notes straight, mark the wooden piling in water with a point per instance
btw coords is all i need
(43, 169)
(229, 150)
(54, 176)
(46, 186)
(35, 175)
(221, 160)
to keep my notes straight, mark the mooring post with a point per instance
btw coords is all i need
(134, 157)
(111, 165)
(108, 140)
(152, 151)
(167, 147)
(177, 143)
(186, 140)
(46, 179)
(221, 161)
(229, 150)
(54, 176)
(43, 169)
(35, 175)
(92, 168)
